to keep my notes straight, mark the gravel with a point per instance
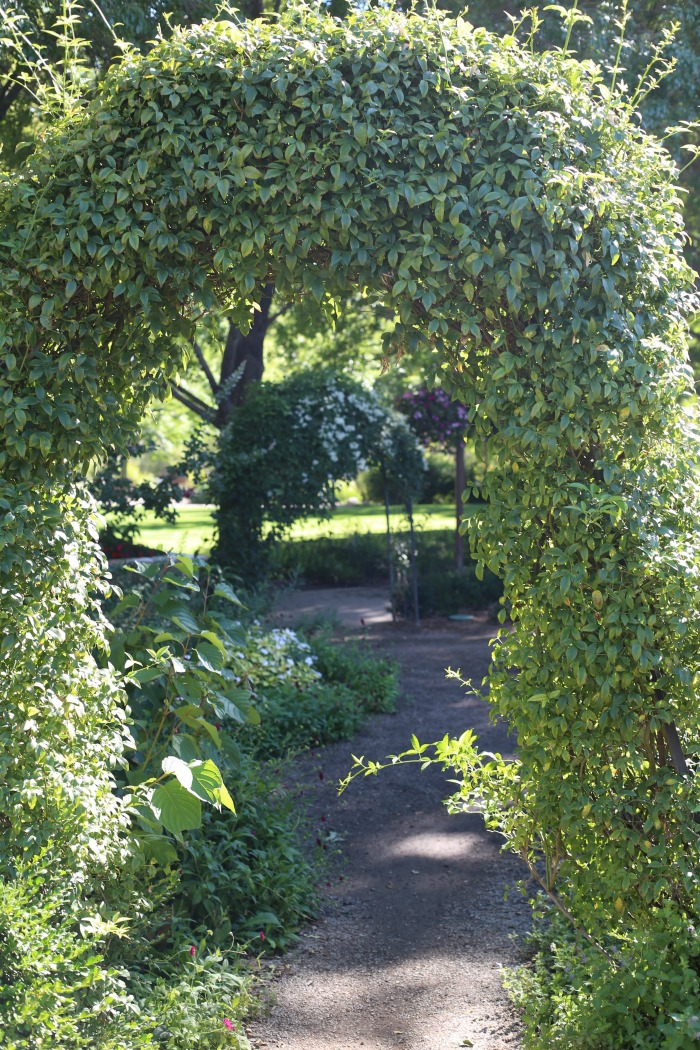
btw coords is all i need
(414, 927)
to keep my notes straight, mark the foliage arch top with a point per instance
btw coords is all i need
(522, 225)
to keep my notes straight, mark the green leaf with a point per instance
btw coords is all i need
(176, 808)
(201, 778)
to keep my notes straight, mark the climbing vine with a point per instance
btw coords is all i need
(513, 213)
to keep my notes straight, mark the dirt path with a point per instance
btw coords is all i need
(414, 928)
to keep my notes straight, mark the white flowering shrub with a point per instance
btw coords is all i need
(283, 452)
(271, 658)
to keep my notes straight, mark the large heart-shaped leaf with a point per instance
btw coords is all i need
(176, 808)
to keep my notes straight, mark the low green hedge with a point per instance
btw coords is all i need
(362, 558)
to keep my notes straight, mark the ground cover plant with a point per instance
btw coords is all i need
(528, 231)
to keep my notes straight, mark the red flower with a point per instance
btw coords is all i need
(193, 951)
(262, 936)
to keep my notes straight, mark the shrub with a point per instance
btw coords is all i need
(637, 993)
(372, 678)
(244, 874)
(353, 560)
(294, 715)
(361, 558)
(195, 1000)
(56, 991)
(279, 457)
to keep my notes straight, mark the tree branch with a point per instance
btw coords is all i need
(205, 367)
(280, 313)
(194, 403)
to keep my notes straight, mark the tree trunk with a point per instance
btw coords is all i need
(243, 351)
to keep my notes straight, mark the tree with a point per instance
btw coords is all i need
(437, 419)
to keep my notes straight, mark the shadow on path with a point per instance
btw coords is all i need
(414, 927)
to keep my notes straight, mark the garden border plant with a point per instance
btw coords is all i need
(509, 207)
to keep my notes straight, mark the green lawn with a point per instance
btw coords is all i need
(193, 531)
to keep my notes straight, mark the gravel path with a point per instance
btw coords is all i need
(414, 928)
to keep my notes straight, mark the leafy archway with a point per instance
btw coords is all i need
(522, 225)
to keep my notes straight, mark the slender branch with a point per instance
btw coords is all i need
(280, 313)
(205, 367)
(194, 403)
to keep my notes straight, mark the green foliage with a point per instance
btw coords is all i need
(349, 685)
(244, 874)
(439, 484)
(55, 988)
(197, 1001)
(333, 561)
(528, 232)
(574, 997)
(355, 560)
(126, 502)
(372, 678)
(442, 588)
(175, 654)
(283, 451)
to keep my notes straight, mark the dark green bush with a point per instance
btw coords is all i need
(294, 718)
(245, 873)
(350, 561)
(362, 558)
(373, 679)
(442, 589)
(439, 483)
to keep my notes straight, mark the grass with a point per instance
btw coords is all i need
(193, 533)
(194, 530)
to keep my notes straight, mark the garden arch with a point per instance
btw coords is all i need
(522, 225)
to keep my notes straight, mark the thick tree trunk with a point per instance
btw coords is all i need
(244, 351)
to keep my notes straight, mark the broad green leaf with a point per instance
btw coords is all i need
(176, 808)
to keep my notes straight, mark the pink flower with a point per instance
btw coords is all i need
(193, 951)
(228, 1024)
(262, 936)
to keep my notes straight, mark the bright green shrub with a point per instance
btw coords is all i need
(573, 997)
(529, 232)
(56, 990)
